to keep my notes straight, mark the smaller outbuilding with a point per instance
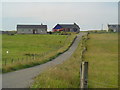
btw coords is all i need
(67, 28)
(4, 32)
(113, 27)
(32, 29)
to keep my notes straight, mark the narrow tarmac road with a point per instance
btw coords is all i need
(23, 78)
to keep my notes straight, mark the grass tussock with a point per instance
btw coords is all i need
(66, 43)
(66, 75)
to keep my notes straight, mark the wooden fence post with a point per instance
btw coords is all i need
(31, 58)
(12, 61)
(84, 75)
(5, 62)
(34, 57)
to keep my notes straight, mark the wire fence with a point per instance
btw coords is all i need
(84, 65)
(27, 58)
(92, 83)
(7, 61)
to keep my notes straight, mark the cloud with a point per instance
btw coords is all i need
(89, 14)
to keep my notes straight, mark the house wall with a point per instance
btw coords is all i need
(67, 28)
(30, 30)
(42, 31)
(72, 30)
(114, 28)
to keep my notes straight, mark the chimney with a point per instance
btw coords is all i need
(75, 23)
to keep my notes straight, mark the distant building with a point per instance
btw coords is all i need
(4, 32)
(8, 32)
(32, 29)
(67, 28)
(113, 27)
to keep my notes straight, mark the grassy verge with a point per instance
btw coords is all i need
(65, 75)
(64, 45)
(102, 55)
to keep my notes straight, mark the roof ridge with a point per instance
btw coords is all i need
(28, 25)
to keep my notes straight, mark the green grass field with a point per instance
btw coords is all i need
(22, 48)
(65, 75)
(102, 55)
(20, 45)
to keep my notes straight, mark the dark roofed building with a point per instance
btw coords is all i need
(4, 32)
(32, 29)
(67, 28)
(114, 27)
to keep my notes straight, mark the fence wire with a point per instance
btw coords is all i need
(6, 61)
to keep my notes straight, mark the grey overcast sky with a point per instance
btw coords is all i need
(88, 15)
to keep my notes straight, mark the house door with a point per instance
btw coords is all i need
(34, 31)
(74, 29)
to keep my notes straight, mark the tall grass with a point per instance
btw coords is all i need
(53, 44)
(65, 75)
(102, 55)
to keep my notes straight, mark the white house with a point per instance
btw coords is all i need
(32, 29)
